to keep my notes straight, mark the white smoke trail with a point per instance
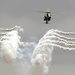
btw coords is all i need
(57, 38)
(53, 33)
(10, 29)
(61, 32)
(10, 43)
(42, 54)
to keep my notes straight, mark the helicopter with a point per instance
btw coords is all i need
(47, 17)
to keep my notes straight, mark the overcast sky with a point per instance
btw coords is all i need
(22, 13)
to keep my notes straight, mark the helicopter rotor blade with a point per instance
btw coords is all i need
(43, 12)
(40, 11)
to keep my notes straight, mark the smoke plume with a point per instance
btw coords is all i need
(32, 59)
(14, 53)
(42, 54)
(10, 43)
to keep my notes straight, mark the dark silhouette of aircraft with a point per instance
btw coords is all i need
(47, 17)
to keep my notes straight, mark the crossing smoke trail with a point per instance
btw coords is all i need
(9, 43)
(42, 53)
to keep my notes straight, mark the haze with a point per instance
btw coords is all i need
(22, 13)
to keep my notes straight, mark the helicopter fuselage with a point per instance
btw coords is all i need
(47, 17)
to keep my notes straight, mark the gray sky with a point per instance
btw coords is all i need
(21, 12)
